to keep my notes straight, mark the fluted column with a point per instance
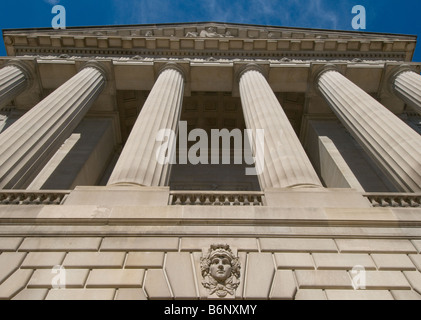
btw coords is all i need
(407, 86)
(13, 80)
(394, 146)
(138, 163)
(284, 162)
(27, 145)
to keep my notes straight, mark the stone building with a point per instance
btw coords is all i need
(88, 212)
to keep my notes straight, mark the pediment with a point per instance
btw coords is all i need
(210, 30)
(188, 39)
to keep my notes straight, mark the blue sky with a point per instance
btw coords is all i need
(390, 16)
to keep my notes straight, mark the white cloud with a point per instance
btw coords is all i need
(52, 2)
(295, 13)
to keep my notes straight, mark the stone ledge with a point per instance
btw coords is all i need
(215, 231)
(105, 43)
(316, 198)
(118, 196)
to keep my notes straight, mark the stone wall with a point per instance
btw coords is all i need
(146, 252)
(169, 268)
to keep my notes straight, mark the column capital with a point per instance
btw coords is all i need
(250, 67)
(106, 73)
(405, 82)
(174, 66)
(27, 69)
(328, 67)
(396, 72)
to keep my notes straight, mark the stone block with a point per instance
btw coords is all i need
(416, 259)
(132, 278)
(17, 213)
(46, 278)
(81, 294)
(140, 244)
(243, 260)
(156, 285)
(316, 198)
(118, 196)
(417, 244)
(284, 287)
(414, 278)
(311, 294)
(323, 279)
(145, 260)
(14, 284)
(60, 244)
(9, 263)
(359, 295)
(386, 280)
(130, 295)
(31, 295)
(179, 269)
(203, 292)
(391, 262)
(94, 260)
(297, 245)
(10, 244)
(406, 295)
(260, 271)
(43, 260)
(334, 261)
(375, 246)
(294, 261)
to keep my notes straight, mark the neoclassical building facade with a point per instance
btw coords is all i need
(89, 211)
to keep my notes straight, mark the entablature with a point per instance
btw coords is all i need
(210, 40)
(206, 76)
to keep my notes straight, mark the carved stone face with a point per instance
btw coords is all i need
(220, 268)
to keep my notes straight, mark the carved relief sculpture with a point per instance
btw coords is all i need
(208, 33)
(220, 270)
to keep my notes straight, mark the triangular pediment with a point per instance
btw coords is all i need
(211, 30)
(209, 38)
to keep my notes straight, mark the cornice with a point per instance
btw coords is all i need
(207, 40)
(233, 29)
